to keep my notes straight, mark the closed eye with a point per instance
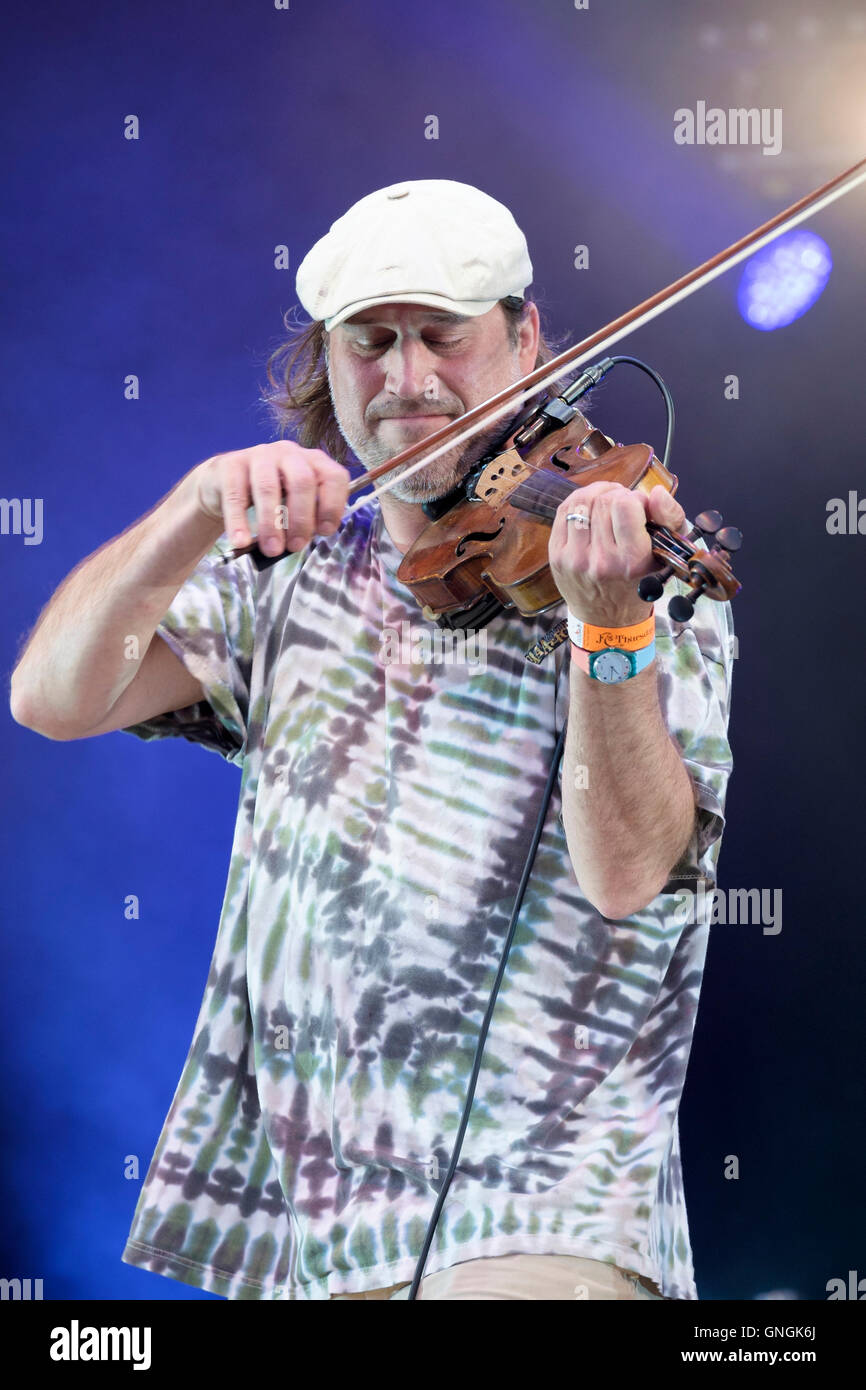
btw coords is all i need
(379, 345)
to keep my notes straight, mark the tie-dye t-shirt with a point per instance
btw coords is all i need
(389, 791)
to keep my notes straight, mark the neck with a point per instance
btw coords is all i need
(404, 521)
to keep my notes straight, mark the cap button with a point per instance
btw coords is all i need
(399, 193)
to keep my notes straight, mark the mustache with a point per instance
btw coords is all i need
(425, 407)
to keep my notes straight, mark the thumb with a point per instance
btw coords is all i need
(666, 510)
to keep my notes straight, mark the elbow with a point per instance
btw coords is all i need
(19, 705)
(622, 898)
(619, 901)
(25, 713)
(618, 898)
(619, 907)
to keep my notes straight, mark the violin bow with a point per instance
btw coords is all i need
(480, 417)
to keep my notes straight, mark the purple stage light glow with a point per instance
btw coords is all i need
(781, 282)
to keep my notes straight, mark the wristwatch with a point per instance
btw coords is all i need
(612, 665)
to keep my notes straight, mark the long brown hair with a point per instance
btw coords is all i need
(299, 397)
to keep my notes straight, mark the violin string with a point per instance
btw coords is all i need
(527, 491)
(666, 544)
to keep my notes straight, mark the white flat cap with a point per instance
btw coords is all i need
(432, 241)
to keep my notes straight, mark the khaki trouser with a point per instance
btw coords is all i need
(533, 1278)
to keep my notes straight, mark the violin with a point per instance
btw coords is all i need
(486, 546)
(492, 536)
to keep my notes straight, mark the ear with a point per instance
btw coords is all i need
(530, 331)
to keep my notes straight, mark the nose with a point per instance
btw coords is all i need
(409, 372)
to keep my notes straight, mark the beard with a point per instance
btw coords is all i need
(438, 478)
(431, 482)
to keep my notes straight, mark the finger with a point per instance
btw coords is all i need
(597, 498)
(266, 487)
(235, 492)
(300, 486)
(332, 492)
(601, 532)
(628, 528)
(563, 531)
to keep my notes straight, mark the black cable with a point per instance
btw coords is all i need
(601, 369)
(491, 1004)
(663, 387)
(557, 415)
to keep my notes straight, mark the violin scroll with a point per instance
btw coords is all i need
(705, 571)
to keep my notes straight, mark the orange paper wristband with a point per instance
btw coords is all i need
(592, 639)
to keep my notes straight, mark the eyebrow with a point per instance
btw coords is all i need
(436, 316)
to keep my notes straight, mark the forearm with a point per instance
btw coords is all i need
(94, 632)
(628, 804)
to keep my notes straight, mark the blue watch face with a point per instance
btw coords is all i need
(612, 666)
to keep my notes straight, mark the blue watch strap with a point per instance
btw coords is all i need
(638, 660)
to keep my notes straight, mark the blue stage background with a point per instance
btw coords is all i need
(155, 256)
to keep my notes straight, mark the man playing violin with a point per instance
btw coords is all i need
(385, 816)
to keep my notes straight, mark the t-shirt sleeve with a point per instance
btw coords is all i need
(210, 626)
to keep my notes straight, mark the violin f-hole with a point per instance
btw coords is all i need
(560, 463)
(479, 536)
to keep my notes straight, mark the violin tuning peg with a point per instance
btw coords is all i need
(682, 608)
(708, 522)
(651, 587)
(729, 538)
